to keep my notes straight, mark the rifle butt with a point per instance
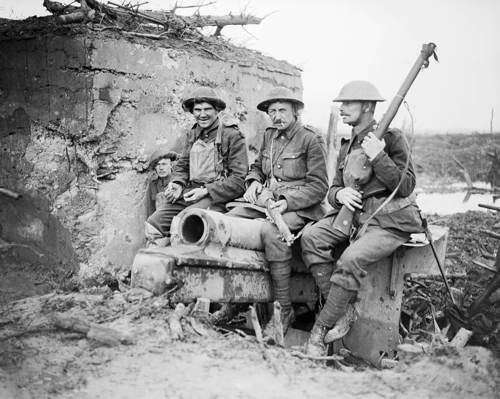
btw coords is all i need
(343, 221)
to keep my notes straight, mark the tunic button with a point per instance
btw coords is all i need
(279, 166)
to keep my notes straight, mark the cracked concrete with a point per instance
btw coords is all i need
(78, 104)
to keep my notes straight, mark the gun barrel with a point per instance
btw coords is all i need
(201, 227)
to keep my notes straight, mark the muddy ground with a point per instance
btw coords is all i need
(209, 364)
(41, 362)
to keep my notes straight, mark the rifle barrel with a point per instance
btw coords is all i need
(422, 61)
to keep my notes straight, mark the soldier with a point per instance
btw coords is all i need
(290, 169)
(161, 166)
(389, 229)
(212, 168)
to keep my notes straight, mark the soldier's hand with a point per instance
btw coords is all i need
(350, 197)
(372, 146)
(195, 194)
(253, 192)
(281, 205)
(173, 192)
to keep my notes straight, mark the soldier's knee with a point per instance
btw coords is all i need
(349, 262)
(269, 232)
(308, 239)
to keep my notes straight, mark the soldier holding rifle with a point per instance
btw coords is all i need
(289, 176)
(387, 166)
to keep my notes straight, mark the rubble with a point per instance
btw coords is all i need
(426, 306)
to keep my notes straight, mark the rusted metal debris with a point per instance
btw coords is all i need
(426, 310)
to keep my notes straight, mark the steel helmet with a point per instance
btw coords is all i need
(203, 94)
(279, 94)
(359, 90)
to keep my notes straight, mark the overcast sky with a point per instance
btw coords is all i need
(341, 40)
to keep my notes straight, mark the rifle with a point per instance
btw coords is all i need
(360, 173)
(277, 219)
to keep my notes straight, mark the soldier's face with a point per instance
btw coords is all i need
(205, 114)
(282, 114)
(163, 167)
(351, 111)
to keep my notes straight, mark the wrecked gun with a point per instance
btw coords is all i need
(359, 168)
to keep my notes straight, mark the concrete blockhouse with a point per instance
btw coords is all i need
(80, 112)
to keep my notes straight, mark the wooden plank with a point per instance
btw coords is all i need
(492, 207)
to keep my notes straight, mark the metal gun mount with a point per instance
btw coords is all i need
(218, 257)
(221, 258)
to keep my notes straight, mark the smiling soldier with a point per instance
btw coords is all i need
(211, 170)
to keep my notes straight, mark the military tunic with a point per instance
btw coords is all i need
(388, 230)
(225, 182)
(292, 164)
(154, 193)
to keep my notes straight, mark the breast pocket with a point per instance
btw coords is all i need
(294, 165)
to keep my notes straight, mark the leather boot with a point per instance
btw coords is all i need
(322, 273)
(335, 306)
(315, 345)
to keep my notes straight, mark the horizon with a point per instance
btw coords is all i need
(323, 40)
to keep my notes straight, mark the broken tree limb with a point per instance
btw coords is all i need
(492, 207)
(492, 234)
(464, 171)
(198, 6)
(174, 321)
(77, 16)
(9, 193)
(493, 285)
(104, 335)
(56, 8)
(255, 324)
(304, 356)
(461, 338)
(200, 21)
(68, 14)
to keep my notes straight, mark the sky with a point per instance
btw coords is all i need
(337, 41)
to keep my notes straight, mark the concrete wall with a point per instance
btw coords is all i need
(78, 105)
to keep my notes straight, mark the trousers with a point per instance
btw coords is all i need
(320, 239)
(275, 248)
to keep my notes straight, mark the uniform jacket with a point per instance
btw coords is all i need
(232, 153)
(156, 185)
(401, 213)
(299, 167)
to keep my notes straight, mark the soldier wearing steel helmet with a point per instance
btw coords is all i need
(211, 169)
(290, 169)
(388, 230)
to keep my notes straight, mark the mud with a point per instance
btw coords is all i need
(212, 365)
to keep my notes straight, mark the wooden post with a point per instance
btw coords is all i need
(331, 147)
(491, 120)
